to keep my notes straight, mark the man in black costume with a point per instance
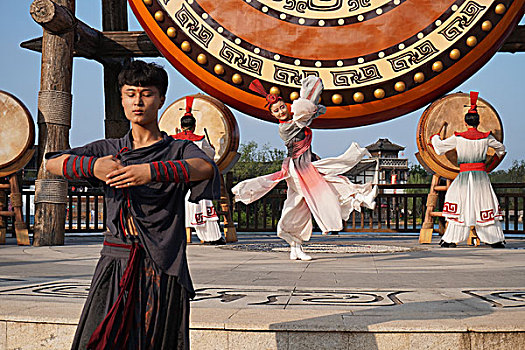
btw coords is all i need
(140, 292)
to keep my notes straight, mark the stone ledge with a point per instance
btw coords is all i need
(56, 335)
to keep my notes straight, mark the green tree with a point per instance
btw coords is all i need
(418, 175)
(256, 161)
(516, 173)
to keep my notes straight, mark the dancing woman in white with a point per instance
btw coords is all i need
(470, 199)
(315, 187)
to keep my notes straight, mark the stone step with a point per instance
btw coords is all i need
(232, 329)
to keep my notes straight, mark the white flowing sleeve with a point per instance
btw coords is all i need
(498, 146)
(443, 146)
(306, 108)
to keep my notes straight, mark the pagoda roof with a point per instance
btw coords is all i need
(384, 145)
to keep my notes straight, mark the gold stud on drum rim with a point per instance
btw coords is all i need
(237, 78)
(148, 2)
(419, 77)
(437, 66)
(274, 90)
(159, 16)
(359, 97)
(400, 86)
(202, 59)
(500, 9)
(379, 93)
(294, 96)
(455, 54)
(472, 41)
(185, 46)
(171, 32)
(218, 69)
(337, 99)
(486, 26)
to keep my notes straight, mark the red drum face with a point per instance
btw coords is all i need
(378, 59)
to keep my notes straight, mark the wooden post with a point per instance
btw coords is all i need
(427, 228)
(22, 235)
(230, 233)
(54, 114)
(3, 222)
(188, 234)
(114, 18)
(473, 238)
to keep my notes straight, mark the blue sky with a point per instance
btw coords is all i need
(500, 82)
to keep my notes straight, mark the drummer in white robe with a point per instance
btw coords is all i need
(470, 199)
(200, 216)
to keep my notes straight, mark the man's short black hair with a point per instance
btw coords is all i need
(187, 122)
(140, 73)
(472, 119)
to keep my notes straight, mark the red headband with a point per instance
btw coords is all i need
(189, 105)
(473, 102)
(258, 88)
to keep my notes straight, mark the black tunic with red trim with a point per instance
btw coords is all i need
(157, 208)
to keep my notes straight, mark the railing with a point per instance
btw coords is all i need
(85, 211)
(393, 163)
(399, 208)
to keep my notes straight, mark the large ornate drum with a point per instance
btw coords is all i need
(378, 59)
(446, 116)
(17, 134)
(212, 115)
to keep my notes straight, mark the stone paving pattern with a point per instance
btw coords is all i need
(425, 297)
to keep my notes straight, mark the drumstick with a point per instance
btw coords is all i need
(207, 137)
(443, 130)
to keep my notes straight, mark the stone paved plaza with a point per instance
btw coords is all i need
(359, 292)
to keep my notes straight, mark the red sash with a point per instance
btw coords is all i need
(303, 145)
(472, 167)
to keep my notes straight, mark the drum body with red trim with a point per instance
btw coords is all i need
(378, 59)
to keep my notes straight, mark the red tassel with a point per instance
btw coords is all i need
(189, 105)
(473, 102)
(258, 88)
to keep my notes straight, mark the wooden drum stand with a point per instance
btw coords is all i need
(17, 132)
(217, 122)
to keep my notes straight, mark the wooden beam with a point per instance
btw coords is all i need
(52, 17)
(516, 41)
(114, 18)
(103, 45)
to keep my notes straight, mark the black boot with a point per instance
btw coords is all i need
(498, 245)
(220, 241)
(444, 244)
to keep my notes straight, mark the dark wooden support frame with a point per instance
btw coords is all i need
(57, 20)
(64, 37)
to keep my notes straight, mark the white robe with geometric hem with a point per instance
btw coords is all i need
(202, 216)
(470, 199)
